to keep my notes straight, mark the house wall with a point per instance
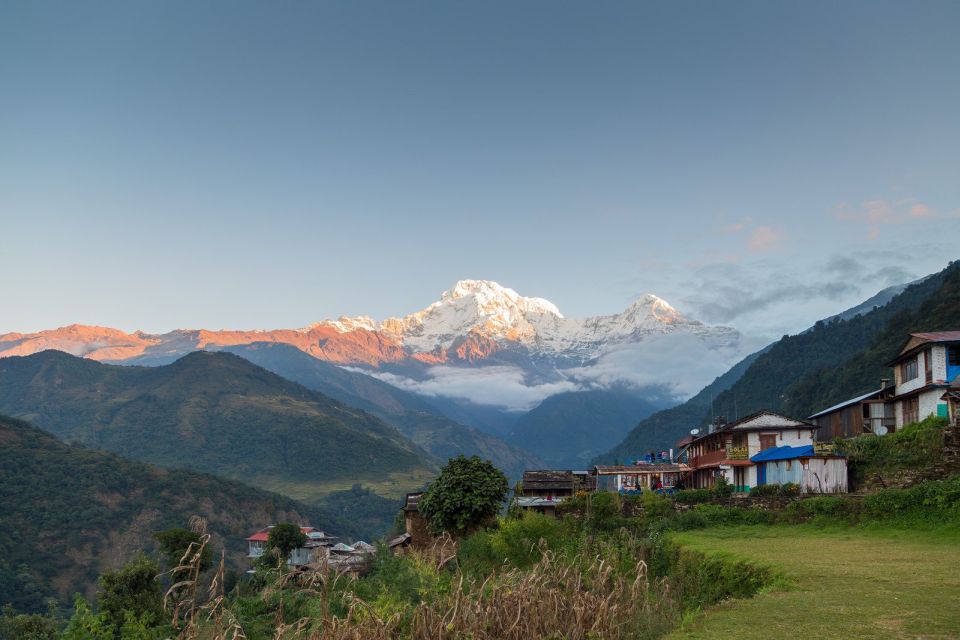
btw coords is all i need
(824, 475)
(916, 383)
(929, 402)
(784, 471)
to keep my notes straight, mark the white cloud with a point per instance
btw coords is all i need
(673, 366)
(502, 386)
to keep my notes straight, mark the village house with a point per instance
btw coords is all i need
(415, 524)
(924, 369)
(315, 551)
(726, 449)
(812, 470)
(542, 490)
(867, 413)
(642, 476)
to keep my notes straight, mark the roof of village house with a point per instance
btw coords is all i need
(788, 453)
(547, 479)
(639, 468)
(847, 403)
(760, 421)
(264, 534)
(917, 340)
(402, 539)
(412, 501)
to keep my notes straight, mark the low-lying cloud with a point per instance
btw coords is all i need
(671, 366)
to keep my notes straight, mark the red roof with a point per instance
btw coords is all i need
(263, 534)
(939, 336)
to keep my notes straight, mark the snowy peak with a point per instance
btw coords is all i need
(491, 298)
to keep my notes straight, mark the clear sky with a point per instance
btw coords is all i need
(269, 164)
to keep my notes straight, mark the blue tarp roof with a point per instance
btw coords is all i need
(783, 453)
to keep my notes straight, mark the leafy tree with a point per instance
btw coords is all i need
(86, 625)
(133, 589)
(466, 494)
(34, 626)
(285, 538)
(174, 543)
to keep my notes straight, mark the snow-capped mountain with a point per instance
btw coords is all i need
(485, 310)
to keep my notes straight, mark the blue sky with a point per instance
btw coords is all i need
(231, 164)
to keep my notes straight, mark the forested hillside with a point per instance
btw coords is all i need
(67, 513)
(661, 430)
(781, 379)
(803, 373)
(214, 413)
(569, 429)
(412, 415)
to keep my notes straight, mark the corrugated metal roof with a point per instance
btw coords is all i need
(846, 403)
(939, 336)
(640, 468)
(783, 453)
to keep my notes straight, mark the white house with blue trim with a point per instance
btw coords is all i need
(924, 368)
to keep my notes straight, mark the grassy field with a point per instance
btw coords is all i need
(837, 583)
(388, 485)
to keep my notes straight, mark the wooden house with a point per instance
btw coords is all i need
(542, 490)
(867, 413)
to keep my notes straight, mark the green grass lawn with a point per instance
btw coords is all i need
(837, 583)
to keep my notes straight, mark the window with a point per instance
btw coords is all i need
(768, 441)
(953, 356)
(909, 370)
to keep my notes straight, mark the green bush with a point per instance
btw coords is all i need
(936, 501)
(775, 490)
(693, 496)
(834, 507)
(723, 489)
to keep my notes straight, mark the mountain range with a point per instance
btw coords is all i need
(462, 372)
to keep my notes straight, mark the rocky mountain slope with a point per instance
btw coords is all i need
(214, 413)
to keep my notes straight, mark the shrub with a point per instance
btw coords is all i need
(693, 496)
(775, 490)
(723, 489)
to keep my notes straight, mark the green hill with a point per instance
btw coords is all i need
(412, 415)
(214, 413)
(569, 429)
(800, 374)
(67, 513)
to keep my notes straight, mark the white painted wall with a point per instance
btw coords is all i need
(916, 383)
(928, 403)
(825, 475)
(939, 360)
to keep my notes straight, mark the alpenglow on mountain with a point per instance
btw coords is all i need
(477, 325)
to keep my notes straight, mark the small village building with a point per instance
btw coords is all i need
(725, 450)
(803, 466)
(867, 413)
(542, 490)
(952, 397)
(636, 478)
(314, 552)
(924, 369)
(414, 523)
